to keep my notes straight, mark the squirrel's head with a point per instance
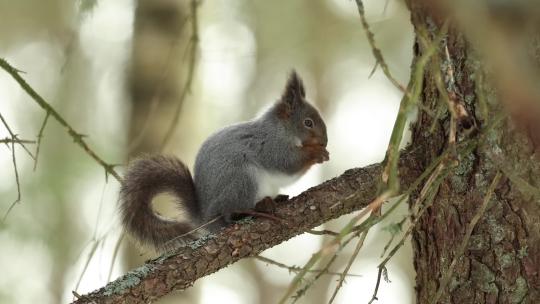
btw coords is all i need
(298, 115)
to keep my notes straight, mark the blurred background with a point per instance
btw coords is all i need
(120, 71)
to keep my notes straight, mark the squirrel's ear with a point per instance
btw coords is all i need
(292, 96)
(294, 89)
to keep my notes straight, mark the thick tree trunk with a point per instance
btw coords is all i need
(501, 262)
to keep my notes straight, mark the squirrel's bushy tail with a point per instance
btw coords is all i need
(145, 178)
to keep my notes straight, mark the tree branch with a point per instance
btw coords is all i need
(178, 270)
(77, 137)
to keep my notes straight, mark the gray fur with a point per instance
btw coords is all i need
(225, 178)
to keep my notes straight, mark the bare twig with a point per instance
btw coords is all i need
(8, 140)
(40, 136)
(322, 232)
(77, 137)
(95, 244)
(14, 137)
(14, 160)
(332, 247)
(349, 264)
(461, 249)
(170, 243)
(115, 255)
(306, 268)
(376, 51)
(297, 269)
(301, 291)
(393, 236)
(95, 240)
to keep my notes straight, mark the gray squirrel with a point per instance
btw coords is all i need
(235, 168)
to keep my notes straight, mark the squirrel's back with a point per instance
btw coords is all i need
(222, 167)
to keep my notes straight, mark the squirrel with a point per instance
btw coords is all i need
(235, 168)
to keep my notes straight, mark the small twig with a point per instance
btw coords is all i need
(309, 283)
(95, 244)
(447, 88)
(349, 264)
(77, 137)
(194, 40)
(14, 160)
(385, 6)
(40, 136)
(461, 249)
(447, 93)
(193, 230)
(297, 269)
(322, 232)
(14, 136)
(393, 236)
(376, 51)
(254, 213)
(306, 268)
(115, 255)
(95, 240)
(75, 294)
(18, 199)
(8, 140)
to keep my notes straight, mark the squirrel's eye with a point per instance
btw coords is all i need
(308, 123)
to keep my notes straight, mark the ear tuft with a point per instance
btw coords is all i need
(294, 89)
(293, 96)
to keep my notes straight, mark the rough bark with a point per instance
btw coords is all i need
(501, 263)
(178, 270)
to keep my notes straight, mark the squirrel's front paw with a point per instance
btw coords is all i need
(266, 205)
(318, 154)
(324, 155)
(281, 198)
